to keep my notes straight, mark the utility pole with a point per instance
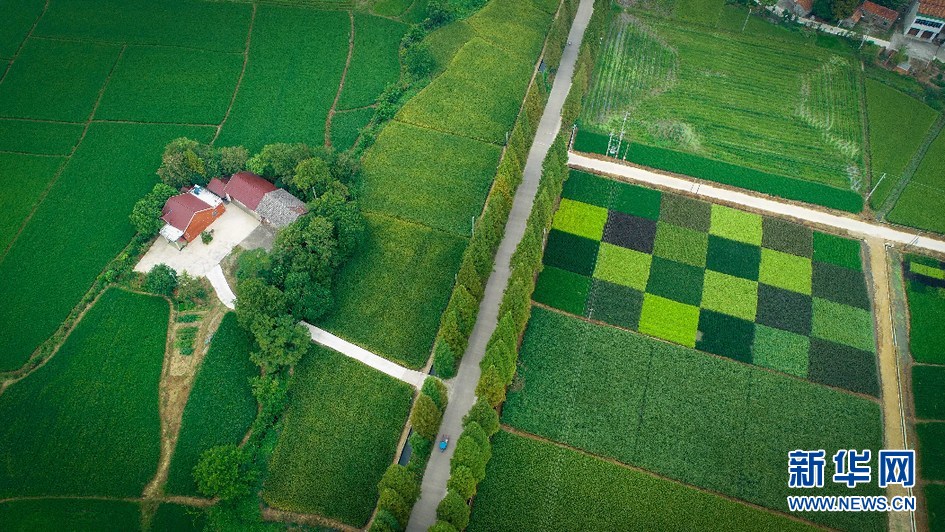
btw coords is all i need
(875, 187)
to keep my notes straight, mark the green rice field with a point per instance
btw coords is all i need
(925, 287)
(93, 425)
(624, 396)
(70, 514)
(728, 282)
(920, 205)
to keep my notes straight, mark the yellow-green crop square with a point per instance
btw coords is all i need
(623, 266)
(681, 244)
(730, 295)
(669, 320)
(580, 219)
(736, 225)
(786, 271)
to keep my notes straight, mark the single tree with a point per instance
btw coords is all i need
(161, 280)
(425, 417)
(484, 415)
(222, 472)
(233, 159)
(146, 214)
(454, 510)
(311, 178)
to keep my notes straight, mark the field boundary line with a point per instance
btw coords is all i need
(413, 222)
(41, 120)
(341, 82)
(706, 353)
(62, 167)
(865, 129)
(444, 132)
(133, 44)
(142, 123)
(613, 461)
(13, 152)
(284, 516)
(239, 81)
(893, 197)
(29, 34)
(196, 502)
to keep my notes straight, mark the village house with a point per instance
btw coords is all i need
(925, 20)
(188, 214)
(876, 15)
(801, 8)
(261, 198)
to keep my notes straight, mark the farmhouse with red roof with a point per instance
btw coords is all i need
(188, 214)
(260, 197)
(877, 15)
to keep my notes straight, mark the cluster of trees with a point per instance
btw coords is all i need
(187, 291)
(400, 485)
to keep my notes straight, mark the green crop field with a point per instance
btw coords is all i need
(279, 100)
(921, 202)
(16, 25)
(87, 422)
(73, 72)
(935, 501)
(516, 26)
(70, 514)
(374, 63)
(443, 192)
(927, 385)
(177, 518)
(391, 8)
(893, 141)
(115, 164)
(926, 293)
(158, 84)
(32, 174)
(40, 138)
(624, 396)
(535, 485)
(341, 432)
(218, 26)
(346, 126)
(932, 450)
(728, 282)
(221, 405)
(382, 303)
(730, 98)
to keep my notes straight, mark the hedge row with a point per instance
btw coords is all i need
(498, 365)
(399, 488)
(725, 173)
(460, 315)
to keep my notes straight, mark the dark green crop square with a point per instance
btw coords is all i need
(562, 289)
(843, 366)
(724, 335)
(638, 201)
(686, 212)
(787, 237)
(615, 304)
(837, 250)
(784, 309)
(676, 281)
(588, 188)
(733, 258)
(571, 252)
(840, 285)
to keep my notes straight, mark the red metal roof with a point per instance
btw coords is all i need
(248, 188)
(217, 186)
(806, 4)
(880, 11)
(180, 209)
(932, 8)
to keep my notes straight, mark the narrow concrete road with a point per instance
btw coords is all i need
(819, 216)
(463, 386)
(325, 338)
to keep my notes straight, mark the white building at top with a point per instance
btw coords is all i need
(925, 20)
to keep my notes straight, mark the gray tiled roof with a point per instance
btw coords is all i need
(280, 208)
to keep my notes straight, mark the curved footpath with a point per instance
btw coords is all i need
(463, 386)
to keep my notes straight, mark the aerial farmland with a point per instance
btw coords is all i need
(472, 264)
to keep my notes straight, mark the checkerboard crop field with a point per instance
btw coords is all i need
(728, 282)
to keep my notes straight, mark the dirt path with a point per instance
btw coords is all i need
(894, 427)
(177, 379)
(341, 84)
(317, 521)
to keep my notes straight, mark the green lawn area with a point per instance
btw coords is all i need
(535, 485)
(893, 141)
(118, 158)
(683, 414)
(382, 303)
(73, 72)
(728, 97)
(159, 84)
(32, 174)
(375, 61)
(70, 514)
(920, 205)
(444, 192)
(87, 422)
(340, 434)
(290, 83)
(221, 405)
(219, 26)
